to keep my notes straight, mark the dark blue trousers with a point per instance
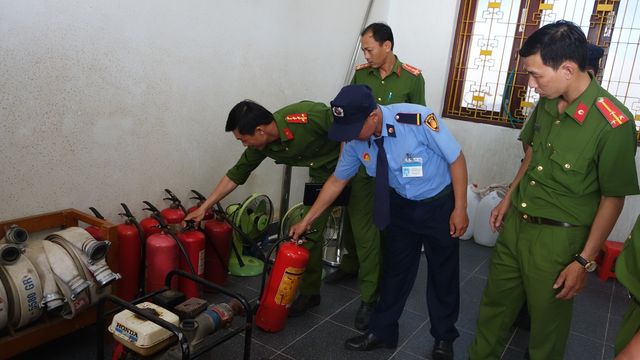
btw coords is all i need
(415, 224)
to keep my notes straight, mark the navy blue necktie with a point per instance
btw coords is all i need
(381, 195)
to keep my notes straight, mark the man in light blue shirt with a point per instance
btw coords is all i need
(424, 204)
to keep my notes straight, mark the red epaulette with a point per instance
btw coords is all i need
(297, 118)
(614, 116)
(363, 66)
(412, 69)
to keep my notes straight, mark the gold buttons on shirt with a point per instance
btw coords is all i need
(379, 99)
(549, 145)
(532, 182)
(539, 168)
(557, 122)
(525, 216)
(567, 166)
(311, 164)
(382, 81)
(523, 204)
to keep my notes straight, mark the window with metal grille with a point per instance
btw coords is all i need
(486, 81)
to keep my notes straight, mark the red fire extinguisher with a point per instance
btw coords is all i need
(175, 213)
(193, 241)
(285, 276)
(218, 250)
(94, 230)
(149, 224)
(208, 214)
(161, 257)
(131, 252)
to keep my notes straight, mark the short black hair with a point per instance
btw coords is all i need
(557, 42)
(246, 116)
(381, 32)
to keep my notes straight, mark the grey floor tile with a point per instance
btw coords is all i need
(233, 349)
(470, 294)
(401, 355)
(583, 348)
(589, 321)
(421, 344)
(294, 329)
(326, 342)
(609, 352)
(612, 329)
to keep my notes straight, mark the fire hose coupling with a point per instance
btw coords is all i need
(91, 252)
(15, 235)
(66, 274)
(9, 254)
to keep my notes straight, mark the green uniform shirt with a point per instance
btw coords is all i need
(402, 85)
(577, 157)
(303, 142)
(628, 262)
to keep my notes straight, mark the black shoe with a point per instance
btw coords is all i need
(303, 303)
(366, 342)
(364, 314)
(442, 350)
(338, 276)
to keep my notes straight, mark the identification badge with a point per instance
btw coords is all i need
(412, 167)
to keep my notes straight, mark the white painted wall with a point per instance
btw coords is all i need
(105, 102)
(424, 31)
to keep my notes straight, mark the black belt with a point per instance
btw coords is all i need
(544, 221)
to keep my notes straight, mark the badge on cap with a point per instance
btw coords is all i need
(337, 111)
(297, 118)
(366, 157)
(614, 116)
(409, 118)
(432, 122)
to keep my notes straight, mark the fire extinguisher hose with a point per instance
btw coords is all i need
(164, 226)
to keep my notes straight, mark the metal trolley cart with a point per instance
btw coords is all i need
(176, 331)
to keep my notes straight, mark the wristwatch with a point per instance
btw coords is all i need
(589, 265)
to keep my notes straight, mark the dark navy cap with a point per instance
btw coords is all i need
(351, 108)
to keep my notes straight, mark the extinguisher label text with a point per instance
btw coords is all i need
(288, 285)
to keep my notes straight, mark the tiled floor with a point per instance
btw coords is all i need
(320, 334)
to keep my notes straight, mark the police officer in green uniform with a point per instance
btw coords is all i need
(391, 82)
(627, 344)
(564, 200)
(295, 135)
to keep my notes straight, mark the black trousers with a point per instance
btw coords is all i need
(415, 224)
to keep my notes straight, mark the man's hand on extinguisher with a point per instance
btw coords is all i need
(299, 229)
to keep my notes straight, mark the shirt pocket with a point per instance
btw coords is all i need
(571, 170)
